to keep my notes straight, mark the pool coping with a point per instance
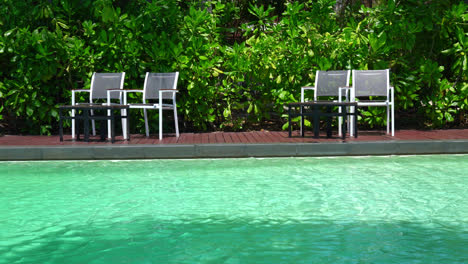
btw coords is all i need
(233, 150)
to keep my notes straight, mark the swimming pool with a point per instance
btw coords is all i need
(392, 209)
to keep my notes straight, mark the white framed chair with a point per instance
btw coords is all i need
(327, 84)
(100, 83)
(374, 83)
(157, 87)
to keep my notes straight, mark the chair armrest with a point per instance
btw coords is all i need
(132, 91)
(109, 91)
(115, 90)
(340, 93)
(124, 91)
(81, 90)
(392, 94)
(78, 90)
(161, 91)
(169, 90)
(304, 88)
(346, 88)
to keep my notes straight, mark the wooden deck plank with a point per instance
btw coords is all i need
(237, 137)
(250, 137)
(255, 137)
(227, 137)
(204, 138)
(242, 137)
(219, 137)
(196, 138)
(186, 139)
(280, 136)
(268, 136)
(262, 137)
(212, 138)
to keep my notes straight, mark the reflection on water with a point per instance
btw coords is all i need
(307, 210)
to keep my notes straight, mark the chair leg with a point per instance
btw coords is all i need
(351, 124)
(146, 122)
(348, 121)
(302, 121)
(109, 123)
(73, 123)
(124, 123)
(388, 119)
(393, 120)
(160, 123)
(127, 125)
(73, 115)
(393, 112)
(176, 121)
(340, 121)
(93, 125)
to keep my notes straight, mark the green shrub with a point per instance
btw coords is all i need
(240, 62)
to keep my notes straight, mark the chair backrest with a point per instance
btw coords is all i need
(370, 83)
(100, 82)
(328, 82)
(157, 81)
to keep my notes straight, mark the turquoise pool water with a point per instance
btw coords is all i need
(291, 210)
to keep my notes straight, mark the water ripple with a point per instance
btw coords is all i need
(299, 210)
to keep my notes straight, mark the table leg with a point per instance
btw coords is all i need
(355, 120)
(344, 124)
(60, 125)
(86, 124)
(112, 120)
(316, 116)
(302, 121)
(77, 126)
(329, 119)
(127, 115)
(103, 129)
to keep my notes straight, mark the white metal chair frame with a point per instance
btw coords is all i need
(91, 92)
(316, 88)
(147, 106)
(388, 102)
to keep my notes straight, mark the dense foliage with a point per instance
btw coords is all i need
(239, 61)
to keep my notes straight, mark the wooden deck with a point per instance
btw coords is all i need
(253, 137)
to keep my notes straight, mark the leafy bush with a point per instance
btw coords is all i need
(239, 61)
